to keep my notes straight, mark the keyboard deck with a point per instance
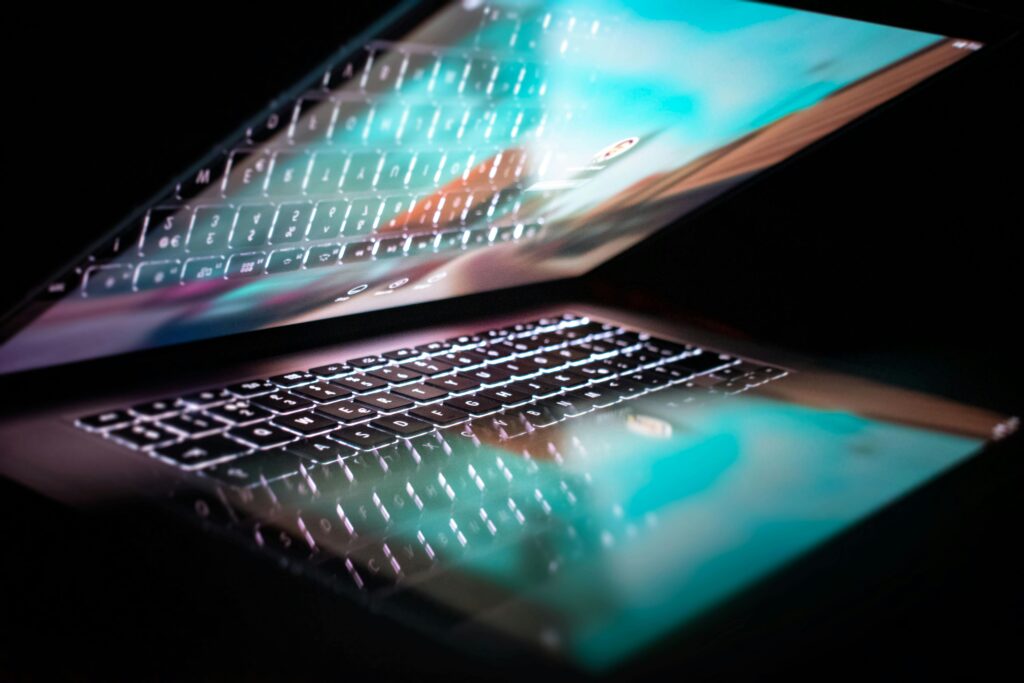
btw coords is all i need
(396, 464)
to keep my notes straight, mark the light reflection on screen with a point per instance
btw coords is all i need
(496, 144)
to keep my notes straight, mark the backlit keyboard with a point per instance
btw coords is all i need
(503, 382)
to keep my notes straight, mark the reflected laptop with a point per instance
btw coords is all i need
(576, 479)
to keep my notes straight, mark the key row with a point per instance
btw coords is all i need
(119, 278)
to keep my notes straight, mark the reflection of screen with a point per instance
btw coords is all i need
(494, 145)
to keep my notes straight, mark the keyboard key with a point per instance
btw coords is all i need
(395, 375)
(506, 396)
(323, 255)
(362, 437)
(246, 265)
(355, 252)
(239, 413)
(254, 469)
(433, 347)
(290, 222)
(201, 452)
(193, 424)
(323, 392)
(536, 387)
(210, 229)
(566, 379)
(459, 359)
(367, 362)
(429, 367)
(144, 435)
(107, 420)
(261, 436)
(157, 408)
(156, 274)
(320, 449)
(252, 226)
(650, 379)
(424, 393)
(347, 412)
(474, 405)
(539, 415)
(361, 384)
(292, 379)
(704, 362)
(206, 177)
(286, 260)
(440, 415)
(282, 403)
(332, 370)
(401, 354)
(203, 268)
(625, 387)
(454, 383)
(488, 376)
(384, 402)
(305, 424)
(253, 387)
(207, 397)
(402, 425)
(106, 280)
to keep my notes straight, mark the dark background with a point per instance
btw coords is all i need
(894, 253)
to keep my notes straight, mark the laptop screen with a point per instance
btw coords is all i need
(493, 145)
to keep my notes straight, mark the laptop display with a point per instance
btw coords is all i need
(491, 146)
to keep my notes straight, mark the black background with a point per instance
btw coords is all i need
(894, 253)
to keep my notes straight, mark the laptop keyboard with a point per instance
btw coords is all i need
(382, 471)
(504, 382)
(404, 149)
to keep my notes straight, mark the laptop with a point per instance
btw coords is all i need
(352, 340)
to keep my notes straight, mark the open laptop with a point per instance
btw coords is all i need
(571, 478)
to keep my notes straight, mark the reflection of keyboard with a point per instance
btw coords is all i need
(405, 150)
(407, 432)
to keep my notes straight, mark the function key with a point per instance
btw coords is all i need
(254, 387)
(292, 379)
(466, 341)
(331, 370)
(367, 362)
(434, 347)
(401, 354)
(107, 420)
